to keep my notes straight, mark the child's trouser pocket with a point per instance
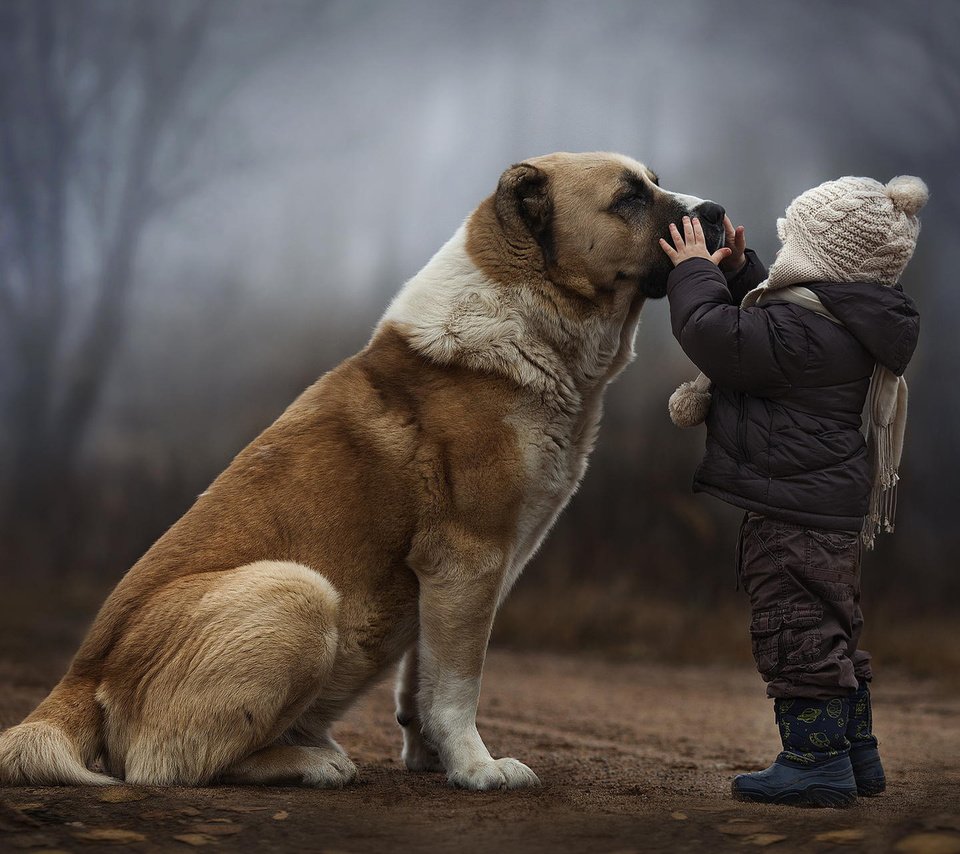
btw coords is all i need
(804, 589)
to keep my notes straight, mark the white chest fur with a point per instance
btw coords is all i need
(556, 447)
(453, 313)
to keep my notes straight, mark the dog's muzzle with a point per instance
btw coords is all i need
(711, 217)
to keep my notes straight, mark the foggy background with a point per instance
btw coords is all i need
(206, 205)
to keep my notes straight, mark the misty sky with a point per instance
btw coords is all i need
(364, 133)
(368, 138)
(376, 133)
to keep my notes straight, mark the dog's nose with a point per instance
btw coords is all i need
(710, 212)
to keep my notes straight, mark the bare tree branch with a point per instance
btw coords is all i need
(103, 105)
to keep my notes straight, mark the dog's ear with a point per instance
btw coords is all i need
(523, 203)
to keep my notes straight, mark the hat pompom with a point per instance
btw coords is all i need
(908, 193)
(690, 403)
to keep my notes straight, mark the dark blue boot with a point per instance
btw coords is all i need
(864, 755)
(814, 767)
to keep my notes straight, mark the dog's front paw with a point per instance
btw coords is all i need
(418, 754)
(495, 774)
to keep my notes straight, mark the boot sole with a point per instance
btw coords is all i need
(871, 790)
(868, 771)
(812, 796)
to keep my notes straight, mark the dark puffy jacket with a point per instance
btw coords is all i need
(784, 430)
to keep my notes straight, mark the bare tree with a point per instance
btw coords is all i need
(102, 105)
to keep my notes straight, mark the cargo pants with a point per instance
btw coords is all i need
(805, 622)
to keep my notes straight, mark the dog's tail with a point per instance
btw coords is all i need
(55, 744)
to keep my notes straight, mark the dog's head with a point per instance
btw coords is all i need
(591, 222)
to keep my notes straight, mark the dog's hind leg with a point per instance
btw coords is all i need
(418, 754)
(216, 668)
(324, 767)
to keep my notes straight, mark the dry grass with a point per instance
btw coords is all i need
(611, 620)
(617, 622)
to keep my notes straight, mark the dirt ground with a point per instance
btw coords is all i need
(633, 757)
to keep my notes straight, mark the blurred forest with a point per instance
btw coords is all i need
(206, 204)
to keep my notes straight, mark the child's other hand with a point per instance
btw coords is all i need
(691, 245)
(737, 242)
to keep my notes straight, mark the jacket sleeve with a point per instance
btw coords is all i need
(739, 349)
(906, 341)
(744, 280)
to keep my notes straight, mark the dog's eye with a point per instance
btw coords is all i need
(631, 201)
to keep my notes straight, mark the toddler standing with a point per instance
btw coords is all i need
(789, 360)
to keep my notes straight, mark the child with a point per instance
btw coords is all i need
(792, 362)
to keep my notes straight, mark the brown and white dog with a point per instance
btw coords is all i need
(384, 516)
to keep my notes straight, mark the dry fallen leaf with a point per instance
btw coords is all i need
(14, 818)
(929, 843)
(195, 839)
(243, 809)
(741, 828)
(280, 815)
(762, 840)
(114, 835)
(941, 821)
(215, 829)
(714, 808)
(158, 815)
(841, 837)
(122, 794)
(31, 840)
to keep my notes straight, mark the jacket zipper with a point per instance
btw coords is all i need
(741, 427)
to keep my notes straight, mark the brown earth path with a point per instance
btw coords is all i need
(633, 757)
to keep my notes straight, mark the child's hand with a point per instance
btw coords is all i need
(692, 245)
(737, 241)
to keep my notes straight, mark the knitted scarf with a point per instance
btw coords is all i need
(886, 419)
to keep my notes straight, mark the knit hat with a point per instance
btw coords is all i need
(848, 230)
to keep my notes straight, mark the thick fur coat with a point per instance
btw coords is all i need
(382, 518)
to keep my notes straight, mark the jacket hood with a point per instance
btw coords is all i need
(882, 318)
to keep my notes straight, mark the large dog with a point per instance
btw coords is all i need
(384, 516)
